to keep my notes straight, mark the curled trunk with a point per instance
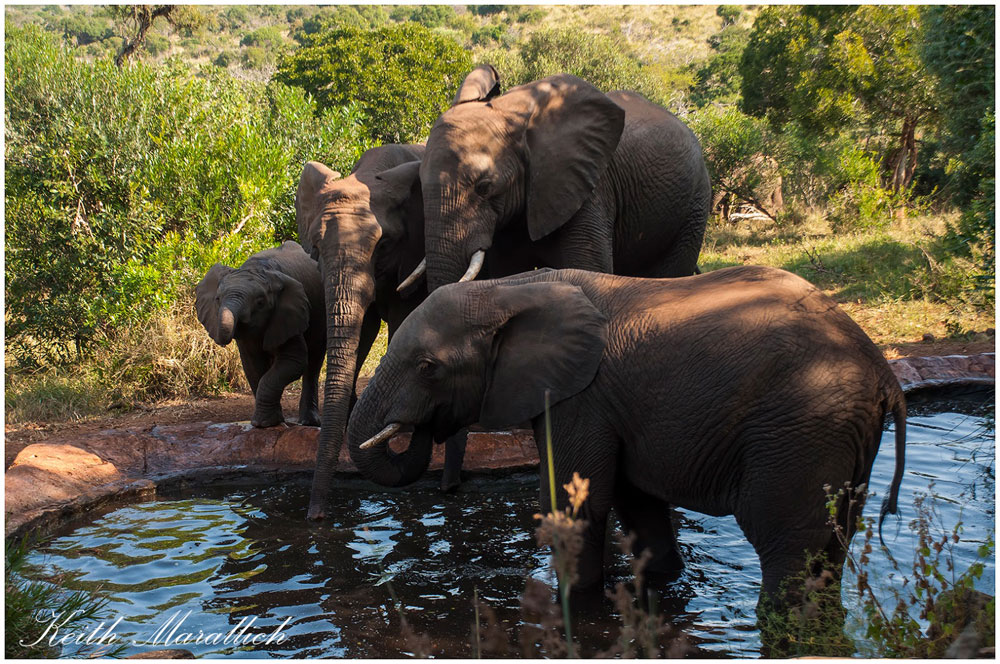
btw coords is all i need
(227, 322)
(379, 463)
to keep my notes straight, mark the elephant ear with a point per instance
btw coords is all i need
(309, 202)
(482, 84)
(291, 310)
(553, 338)
(402, 217)
(204, 299)
(570, 139)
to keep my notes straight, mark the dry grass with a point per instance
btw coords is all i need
(898, 284)
(172, 356)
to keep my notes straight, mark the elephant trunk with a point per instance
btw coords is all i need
(374, 459)
(348, 294)
(448, 237)
(228, 313)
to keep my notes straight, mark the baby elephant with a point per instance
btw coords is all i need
(742, 391)
(273, 306)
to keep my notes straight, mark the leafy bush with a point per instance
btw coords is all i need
(402, 76)
(85, 29)
(112, 210)
(268, 37)
(862, 202)
(431, 16)
(489, 34)
(255, 57)
(363, 17)
(737, 147)
(606, 62)
(490, 10)
(156, 44)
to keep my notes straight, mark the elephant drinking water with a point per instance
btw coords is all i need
(742, 391)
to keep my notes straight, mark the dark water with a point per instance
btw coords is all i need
(234, 554)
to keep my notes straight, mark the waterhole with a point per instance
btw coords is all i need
(236, 561)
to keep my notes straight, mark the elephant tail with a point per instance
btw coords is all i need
(889, 505)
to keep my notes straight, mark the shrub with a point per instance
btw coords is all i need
(862, 202)
(255, 57)
(736, 146)
(431, 16)
(112, 209)
(269, 37)
(489, 34)
(606, 62)
(402, 76)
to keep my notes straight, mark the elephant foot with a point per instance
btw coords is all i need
(310, 418)
(263, 420)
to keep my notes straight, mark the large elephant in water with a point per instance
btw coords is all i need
(366, 231)
(556, 173)
(743, 391)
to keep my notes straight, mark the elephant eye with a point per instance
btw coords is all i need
(426, 368)
(483, 187)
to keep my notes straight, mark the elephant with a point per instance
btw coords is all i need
(366, 232)
(272, 305)
(741, 391)
(557, 174)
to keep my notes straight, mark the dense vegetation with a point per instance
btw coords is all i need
(123, 185)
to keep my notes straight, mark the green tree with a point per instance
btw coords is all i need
(343, 16)
(431, 16)
(134, 21)
(402, 76)
(959, 50)
(718, 79)
(842, 67)
(606, 62)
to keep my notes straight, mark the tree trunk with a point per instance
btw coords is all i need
(143, 15)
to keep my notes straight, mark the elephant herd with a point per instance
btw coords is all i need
(522, 256)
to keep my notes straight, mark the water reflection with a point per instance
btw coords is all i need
(233, 557)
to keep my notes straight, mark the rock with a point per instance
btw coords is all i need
(929, 337)
(44, 474)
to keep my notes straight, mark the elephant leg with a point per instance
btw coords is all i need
(255, 363)
(309, 401)
(584, 242)
(589, 450)
(370, 326)
(649, 519)
(681, 260)
(787, 535)
(290, 362)
(454, 455)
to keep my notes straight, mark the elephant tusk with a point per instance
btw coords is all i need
(381, 435)
(475, 265)
(414, 276)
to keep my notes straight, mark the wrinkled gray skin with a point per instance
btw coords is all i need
(556, 173)
(742, 391)
(366, 231)
(273, 307)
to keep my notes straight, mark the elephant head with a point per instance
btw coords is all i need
(482, 352)
(535, 153)
(255, 299)
(365, 230)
